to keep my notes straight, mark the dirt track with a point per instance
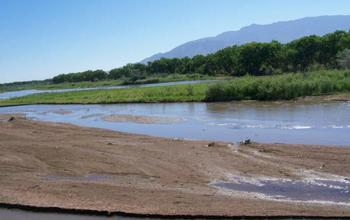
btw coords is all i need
(61, 165)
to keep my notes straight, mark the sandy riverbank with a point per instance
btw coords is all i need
(61, 165)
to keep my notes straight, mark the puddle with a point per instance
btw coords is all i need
(88, 178)
(317, 190)
(18, 214)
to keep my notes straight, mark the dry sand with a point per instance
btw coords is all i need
(62, 165)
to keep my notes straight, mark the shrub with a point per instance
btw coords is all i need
(288, 86)
(343, 59)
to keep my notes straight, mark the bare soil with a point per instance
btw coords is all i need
(61, 165)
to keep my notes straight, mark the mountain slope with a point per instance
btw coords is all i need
(284, 31)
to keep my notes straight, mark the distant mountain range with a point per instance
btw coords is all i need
(283, 32)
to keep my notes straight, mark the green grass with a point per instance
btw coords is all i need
(151, 79)
(51, 86)
(172, 78)
(176, 93)
(276, 87)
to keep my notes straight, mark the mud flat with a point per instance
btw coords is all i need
(65, 166)
(142, 119)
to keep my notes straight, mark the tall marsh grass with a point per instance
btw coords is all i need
(281, 87)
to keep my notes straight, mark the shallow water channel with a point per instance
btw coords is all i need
(326, 123)
(17, 214)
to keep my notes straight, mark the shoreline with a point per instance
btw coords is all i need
(84, 212)
(342, 97)
(47, 164)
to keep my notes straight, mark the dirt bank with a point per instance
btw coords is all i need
(344, 97)
(62, 165)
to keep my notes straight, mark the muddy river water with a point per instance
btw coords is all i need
(325, 123)
(17, 214)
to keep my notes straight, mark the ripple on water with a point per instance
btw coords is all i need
(315, 191)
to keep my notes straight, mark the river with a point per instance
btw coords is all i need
(326, 123)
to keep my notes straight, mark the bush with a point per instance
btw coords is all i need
(343, 59)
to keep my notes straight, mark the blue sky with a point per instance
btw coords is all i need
(43, 38)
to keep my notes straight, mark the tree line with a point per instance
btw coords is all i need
(304, 54)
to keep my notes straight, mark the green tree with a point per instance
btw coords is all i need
(252, 58)
(259, 58)
(304, 52)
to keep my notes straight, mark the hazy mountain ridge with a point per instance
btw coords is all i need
(283, 31)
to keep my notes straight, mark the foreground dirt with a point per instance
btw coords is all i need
(61, 165)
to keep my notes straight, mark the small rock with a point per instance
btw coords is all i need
(323, 166)
(246, 142)
(11, 119)
(109, 143)
(212, 144)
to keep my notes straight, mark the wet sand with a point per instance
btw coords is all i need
(61, 165)
(142, 119)
(343, 97)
